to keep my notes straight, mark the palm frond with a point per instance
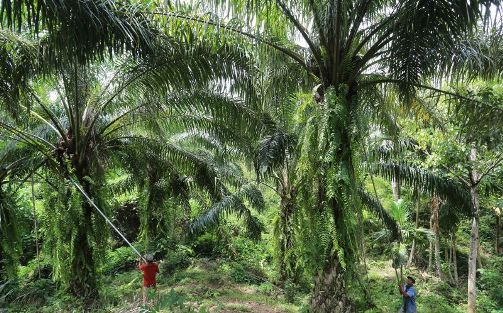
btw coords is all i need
(423, 31)
(272, 152)
(82, 30)
(10, 241)
(478, 54)
(375, 206)
(384, 149)
(19, 57)
(428, 181)
(233, 204)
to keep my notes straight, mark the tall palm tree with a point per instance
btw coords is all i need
(94, 124)
(91, 126)
(354, 47)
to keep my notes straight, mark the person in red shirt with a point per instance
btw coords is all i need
(150, 270)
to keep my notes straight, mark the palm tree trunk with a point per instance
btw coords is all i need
(35, 224)
(411, 253)
(498, 231)
(83, 268)
(413, 247)
(395, 187)
(330, 295)
(83, 275)
(285, 236)
(430, 254)
(454, 258)
(448, 257)
(435, 207)
(329, 292)
(474, 238)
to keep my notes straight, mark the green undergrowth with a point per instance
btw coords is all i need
(203, 286)
(433, 295)
(208, 285)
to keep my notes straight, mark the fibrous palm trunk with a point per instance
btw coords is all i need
(35, 225)
(83, 269)
(435, 207)
(285, 243)
(330, 294)
(83, 281)
(474, 238)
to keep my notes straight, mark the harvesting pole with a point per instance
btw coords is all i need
(79, 188)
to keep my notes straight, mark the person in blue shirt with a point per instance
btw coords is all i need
(408, 293)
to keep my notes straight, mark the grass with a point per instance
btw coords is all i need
(205, 286)
(433, 295)
(209, 286)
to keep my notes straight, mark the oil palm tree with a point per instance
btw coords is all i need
(93, 123)
(354, 47)
(180, 167)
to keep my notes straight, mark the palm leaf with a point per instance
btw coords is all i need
(233, 204)
(407, 174)
(82, 30)
(375, 206)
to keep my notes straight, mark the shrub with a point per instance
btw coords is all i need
(243, 273)
(119, 260)
(176, 303)
(290, 291)
(205, 245)
(267, 288)
(491, 278)
(5, 291)
(179, 258)
(36, 269)
(35, 293)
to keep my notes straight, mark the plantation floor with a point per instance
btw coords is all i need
(203, 287)
(208, 286)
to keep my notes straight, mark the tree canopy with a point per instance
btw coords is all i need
(283, 122)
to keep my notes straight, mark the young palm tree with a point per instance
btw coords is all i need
(189, 163)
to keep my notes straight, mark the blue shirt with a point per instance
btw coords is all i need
(410, 301)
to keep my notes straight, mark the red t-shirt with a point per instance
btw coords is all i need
(149, 271)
